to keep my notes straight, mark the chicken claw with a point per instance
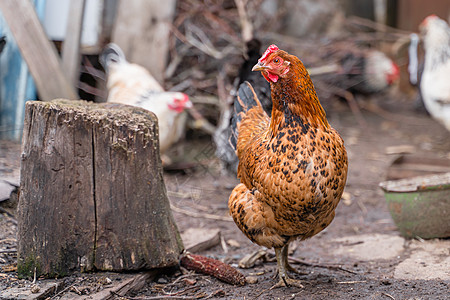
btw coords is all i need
(283, 267)
(287, 282)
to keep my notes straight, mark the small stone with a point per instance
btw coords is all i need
(35, 289)
(162, 280)
(233, 243)
(386, 282)
(190, 281)
(251, 279)
(104, 280)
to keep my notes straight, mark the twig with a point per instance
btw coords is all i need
(181, 292)
(157, 297)
(183, 277)
(8, 251)
(262, 292)
(246, 25)
(298, 261)
(224, 245)
(351, 282)
(331, 68)
(362, 207)
(89, 68)
(387, 295)
(377, 26)
(201, 122)
(179, 194)
(8, 240)
(198, 215)
(10, 215)
(198, 296)
(204, 44)
(66, 289)
(178, 57)
(350, 100)
(34, 276)
(91, 90)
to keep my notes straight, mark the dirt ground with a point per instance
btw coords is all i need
(359, 256)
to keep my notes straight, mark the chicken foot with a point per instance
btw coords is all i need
(287, 266)
(285, 280)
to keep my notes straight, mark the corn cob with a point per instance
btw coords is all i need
(213, 267)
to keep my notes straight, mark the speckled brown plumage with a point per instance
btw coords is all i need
(293, 167)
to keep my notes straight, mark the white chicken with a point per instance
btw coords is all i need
(435, 80)
(132, 84)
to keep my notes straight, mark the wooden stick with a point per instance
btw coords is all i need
(246, 25)
(298, 261)
(39, 54)
(71, 48)
(133, 284)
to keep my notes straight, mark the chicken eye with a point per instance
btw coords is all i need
(276, 60)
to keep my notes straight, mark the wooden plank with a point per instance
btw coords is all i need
(36, 49)
(71, 48)
(410, 13)
(142, 31)
(200, 239)
(133, 284)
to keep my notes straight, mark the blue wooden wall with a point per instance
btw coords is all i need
(16, 83)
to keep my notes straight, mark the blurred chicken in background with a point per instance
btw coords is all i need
(360, 70)
(132, 84)
(435, 79)
(370, 71)
(2, 43)
(224, 151)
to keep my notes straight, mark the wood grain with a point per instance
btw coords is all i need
(92, 195)
(71, 47)
(39, 54)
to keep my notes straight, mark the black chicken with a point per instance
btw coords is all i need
(2, 43)
(222, 137)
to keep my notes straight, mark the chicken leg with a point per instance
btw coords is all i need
(283, 266)
(287, 266)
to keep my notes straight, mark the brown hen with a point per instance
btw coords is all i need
(292, 167)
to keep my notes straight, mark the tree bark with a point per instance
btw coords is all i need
(92, 195)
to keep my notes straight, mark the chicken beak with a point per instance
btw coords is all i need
(259, 67)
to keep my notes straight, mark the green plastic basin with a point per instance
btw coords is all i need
(420, 206)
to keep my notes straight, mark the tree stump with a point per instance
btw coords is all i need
(92, 194)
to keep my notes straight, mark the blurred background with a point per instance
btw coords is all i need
(381, 69)
(198, 47)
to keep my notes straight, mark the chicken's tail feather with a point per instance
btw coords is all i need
(111, 54)
(245, 100)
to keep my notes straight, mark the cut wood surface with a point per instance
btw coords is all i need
(39, 54)
(92, 192)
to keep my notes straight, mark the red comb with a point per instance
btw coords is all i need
(425, 21)
(272, 48)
